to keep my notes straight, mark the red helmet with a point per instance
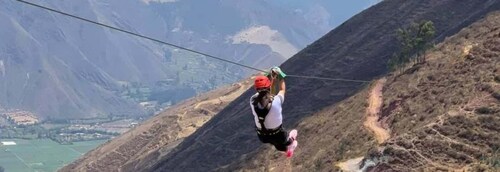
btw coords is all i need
(262, 82)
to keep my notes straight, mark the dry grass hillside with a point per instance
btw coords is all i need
(442, 115)
(445, 113)
(357, 49)
(158, 135)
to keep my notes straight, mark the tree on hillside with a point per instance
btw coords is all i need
(414, 41)
(423, 40)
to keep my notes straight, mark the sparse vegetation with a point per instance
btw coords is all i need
(414, 41)
(497, 79)
(496, 96)
(485, 110)
(455, 104)
(495, 160)
(488, 163)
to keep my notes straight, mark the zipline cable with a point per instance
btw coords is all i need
(177, 46)
(138, 35)
(324, 78)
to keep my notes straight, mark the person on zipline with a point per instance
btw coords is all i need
(266, 109)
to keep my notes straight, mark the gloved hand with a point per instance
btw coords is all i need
(277, 71)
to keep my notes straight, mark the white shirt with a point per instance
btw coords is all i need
(274, 118)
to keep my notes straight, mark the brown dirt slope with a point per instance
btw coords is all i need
(373, 113)
(157, 136)
(357, 49)
(444, 115)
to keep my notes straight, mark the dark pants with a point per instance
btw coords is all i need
(279, 139)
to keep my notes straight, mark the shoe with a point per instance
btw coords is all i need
(291, 148)
(292, 136)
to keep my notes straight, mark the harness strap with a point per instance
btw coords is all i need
(262, 113)
(269, 132)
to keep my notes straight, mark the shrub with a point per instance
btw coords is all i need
(485, 110)
(496, 95)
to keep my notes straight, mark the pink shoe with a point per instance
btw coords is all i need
(293, 134)
(291, 147)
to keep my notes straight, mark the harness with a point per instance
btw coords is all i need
(261, 116)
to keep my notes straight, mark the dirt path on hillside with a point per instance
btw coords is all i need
(372, 113)
(350, 165)
(231, 96)
(372, 116)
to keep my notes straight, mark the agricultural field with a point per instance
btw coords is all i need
(41, 154)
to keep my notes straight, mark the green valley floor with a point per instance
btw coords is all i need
(41, 154)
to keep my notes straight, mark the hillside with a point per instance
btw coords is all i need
(358, 49)
(441, 115)
(154, 138)
(445, 113)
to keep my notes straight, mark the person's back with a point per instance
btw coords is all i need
(274, 118)
(267, 111)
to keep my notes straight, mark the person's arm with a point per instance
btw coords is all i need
(277, 73)
(281, 93)
(282, 87)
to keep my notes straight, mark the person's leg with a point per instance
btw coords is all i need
(263, 139)
(280, 140)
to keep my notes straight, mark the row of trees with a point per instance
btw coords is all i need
(24, 132)
(414, 41)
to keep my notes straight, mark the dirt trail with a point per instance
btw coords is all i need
(375, 103)
(372, 116)
(350, 165)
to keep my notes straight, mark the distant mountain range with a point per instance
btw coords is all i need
(61, 68)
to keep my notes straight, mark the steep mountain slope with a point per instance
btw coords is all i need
(357, 49)
(58, 67)
(156, 137)
(447, 118)
(442, 114)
